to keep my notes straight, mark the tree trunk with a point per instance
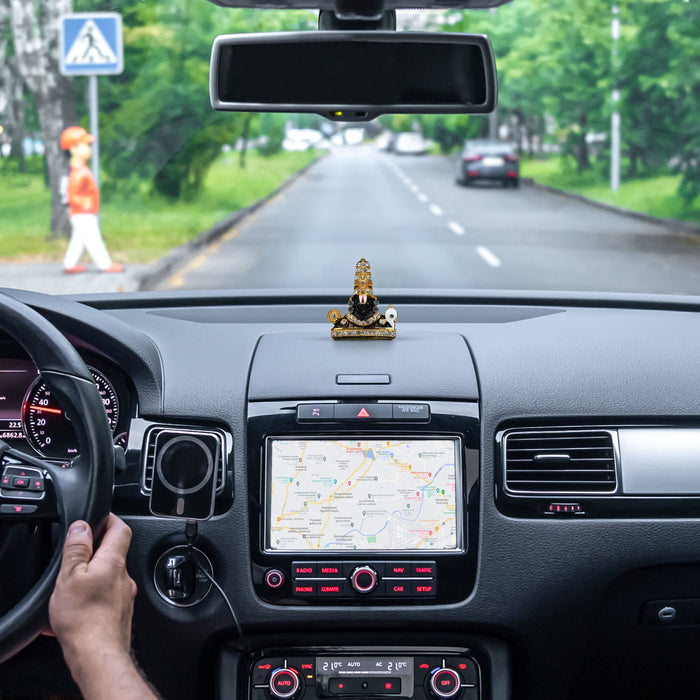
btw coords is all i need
(35, 38)
(244, 139)
(584, 161)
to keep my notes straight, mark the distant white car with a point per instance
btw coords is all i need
(410, 143)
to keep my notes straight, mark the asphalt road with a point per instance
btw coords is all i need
(418, 229)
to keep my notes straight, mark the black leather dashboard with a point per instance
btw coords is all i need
(539, 612)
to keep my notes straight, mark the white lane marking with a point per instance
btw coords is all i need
(414, 188)
(488, 256)
(456, 228)
(436, 209)
(423, 198)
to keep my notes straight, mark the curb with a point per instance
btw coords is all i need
(675, 224)
(177, 256)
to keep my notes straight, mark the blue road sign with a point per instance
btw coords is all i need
(91, 43)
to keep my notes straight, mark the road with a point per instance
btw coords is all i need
(418, 229)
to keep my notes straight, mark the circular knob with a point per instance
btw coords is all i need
(274, 578)
(445, 683)
(284, 683)
(364, 579)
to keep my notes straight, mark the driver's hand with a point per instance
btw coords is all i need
(93, 601)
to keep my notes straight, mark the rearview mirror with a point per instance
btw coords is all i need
(353, 76)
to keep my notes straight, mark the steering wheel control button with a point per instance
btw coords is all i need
(274, 578)
(364, 579)
(18, 495)
(445, 683)
(36, 485)
(284, 683)
(411, 411)
(17, 509)
(315, 412)
(20, 482)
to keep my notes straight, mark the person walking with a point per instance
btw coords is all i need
(84, 204)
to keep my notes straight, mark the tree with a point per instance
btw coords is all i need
(35, 41)
(12, 103)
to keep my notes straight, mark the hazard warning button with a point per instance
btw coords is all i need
(366, 411)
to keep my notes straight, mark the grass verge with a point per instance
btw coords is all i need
(141, 228)
(656, 196)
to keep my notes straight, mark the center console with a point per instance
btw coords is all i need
(427, 675)
(363, 503)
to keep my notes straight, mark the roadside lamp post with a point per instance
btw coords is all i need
(615, 98)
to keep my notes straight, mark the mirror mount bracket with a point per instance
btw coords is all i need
(343, 20)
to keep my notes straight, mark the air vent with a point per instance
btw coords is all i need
(158, 437)
(560, 462)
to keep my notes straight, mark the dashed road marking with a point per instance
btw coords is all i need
(488, 256)
(436, 209)
(422, 197)
(455, 228)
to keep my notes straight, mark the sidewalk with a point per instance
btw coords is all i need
(50, 279)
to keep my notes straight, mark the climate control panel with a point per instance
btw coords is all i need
(420, 676)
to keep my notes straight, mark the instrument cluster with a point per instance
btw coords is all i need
(32, 419)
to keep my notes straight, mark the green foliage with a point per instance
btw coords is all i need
(556, 64)
(157, 124)
(139, 227)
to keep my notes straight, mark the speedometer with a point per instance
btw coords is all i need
(47, 427)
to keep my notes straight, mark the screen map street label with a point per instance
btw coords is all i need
(362, 495)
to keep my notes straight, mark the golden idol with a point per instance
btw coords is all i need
(363, 319)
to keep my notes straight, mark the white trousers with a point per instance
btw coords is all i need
(85, 235)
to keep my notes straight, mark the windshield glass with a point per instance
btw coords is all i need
(117, 175)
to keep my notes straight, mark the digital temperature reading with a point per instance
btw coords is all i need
(363, 665)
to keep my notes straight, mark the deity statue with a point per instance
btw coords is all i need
(363, 319)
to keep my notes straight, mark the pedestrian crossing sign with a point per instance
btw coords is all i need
(91, 43)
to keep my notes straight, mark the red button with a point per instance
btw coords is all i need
(329, 570)
(426, 568)
(305, 589)
(284, 683)
(423, 589)
(303, 568)
(363, 413)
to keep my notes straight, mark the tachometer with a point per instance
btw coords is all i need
(46, 426)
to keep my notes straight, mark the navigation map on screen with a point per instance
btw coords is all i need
(362, 494)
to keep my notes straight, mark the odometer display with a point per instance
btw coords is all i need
(46, 426)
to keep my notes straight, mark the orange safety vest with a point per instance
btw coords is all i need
(83, 192)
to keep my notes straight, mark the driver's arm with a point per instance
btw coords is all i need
(90, 612)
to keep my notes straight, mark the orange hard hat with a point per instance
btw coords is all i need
(74, 135)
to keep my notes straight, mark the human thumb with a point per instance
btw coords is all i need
(77, 549)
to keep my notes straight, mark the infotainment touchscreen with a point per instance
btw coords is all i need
(365, 493)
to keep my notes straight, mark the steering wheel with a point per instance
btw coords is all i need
(83, 487)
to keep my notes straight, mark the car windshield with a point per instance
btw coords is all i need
(116, 174)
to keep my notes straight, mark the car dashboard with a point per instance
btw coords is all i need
(500, 502)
